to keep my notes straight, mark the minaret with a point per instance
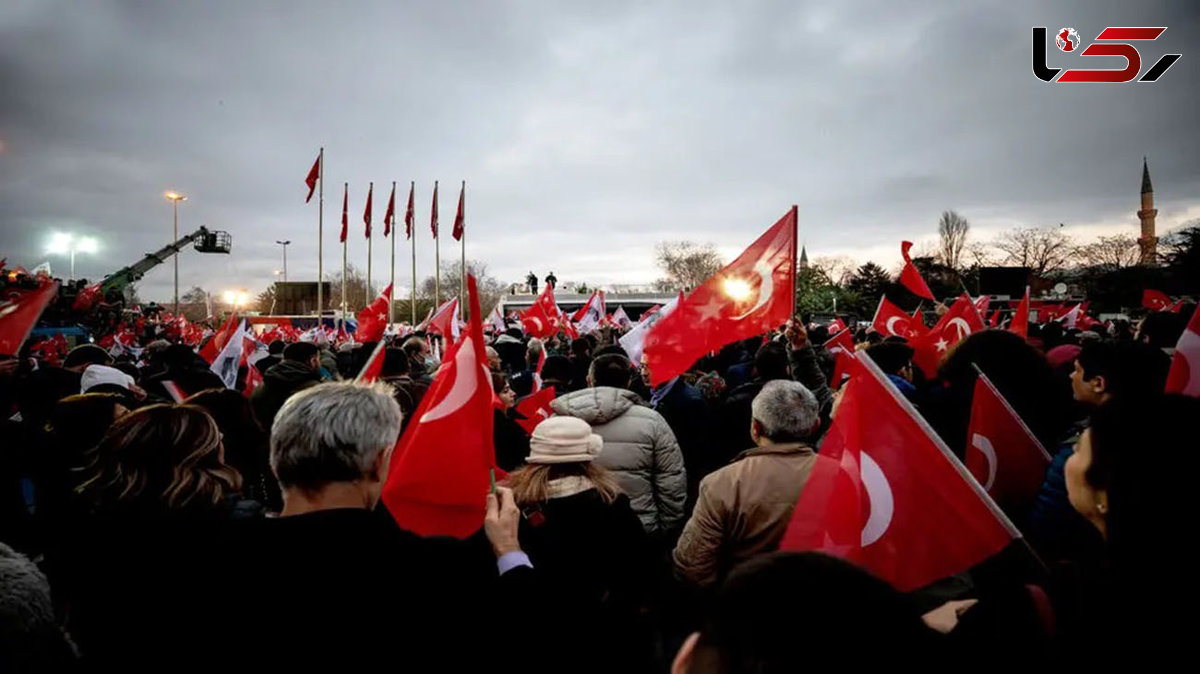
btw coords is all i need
(1148, 242)
(803, 258)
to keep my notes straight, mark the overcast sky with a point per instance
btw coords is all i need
(586, 131)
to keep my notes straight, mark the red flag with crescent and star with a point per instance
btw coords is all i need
(372, 320)
(961, 321)
(373, 368)
(1002, 453)
(890, 320)
(881, 472)
(535, 408)
(437, 482)
(1184, 375)
(750, 296)
(19, 312)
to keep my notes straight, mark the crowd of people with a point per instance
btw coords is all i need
(151, 517)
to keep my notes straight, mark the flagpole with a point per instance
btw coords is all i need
(412, 186)
(795, 274)
(392, 300)
(320, 234)
(462, 276)
(370, 191)
(344, 243)
(437, 254)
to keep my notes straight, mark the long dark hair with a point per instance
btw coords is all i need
(159, 459)
(246, 443)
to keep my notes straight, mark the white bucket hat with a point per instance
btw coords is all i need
(96, 375)
(563, 440)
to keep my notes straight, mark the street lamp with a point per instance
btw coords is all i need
(68, 244)
(175, 198)
(285, 245)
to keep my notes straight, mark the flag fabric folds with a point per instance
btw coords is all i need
(19, 312)
(372, 320)
(1002, 453)
(389, 217)
(367, 210)
(345, 213)
(433, 213)
(311, 179)
(750, 296)
(460, 215)
(1184, 375)
(910, 277)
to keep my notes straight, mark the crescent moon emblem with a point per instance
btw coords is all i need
(961, 325)
(985, 448)
(536, 321)
(891, 328)
(1188, 345)
(463, 387)
(879, 493)
(765, 288)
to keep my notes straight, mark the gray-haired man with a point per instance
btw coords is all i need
(743, 509)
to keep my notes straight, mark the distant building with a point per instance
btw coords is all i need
(1148, 242)
(803, 258)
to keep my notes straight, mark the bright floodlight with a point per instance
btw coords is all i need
(87, 245)
(59, 244)
(737, 289)
(243, 298)
(175, 196)
(229, 296)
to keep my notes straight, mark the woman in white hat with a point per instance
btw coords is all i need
(586, 542)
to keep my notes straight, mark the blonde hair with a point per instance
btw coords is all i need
(161, 457)
(530, 483)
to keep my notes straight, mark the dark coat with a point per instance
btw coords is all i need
(512, 353)
(687, 413)
(510, 440)
(1056, 530)
(278, 385)
(190, 380)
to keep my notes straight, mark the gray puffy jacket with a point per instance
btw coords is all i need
(639, 449)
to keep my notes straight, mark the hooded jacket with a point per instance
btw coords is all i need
(279, 383)
(640, 450)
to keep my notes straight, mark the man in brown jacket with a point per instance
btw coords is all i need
(744, 508)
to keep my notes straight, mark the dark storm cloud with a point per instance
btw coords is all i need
(586, 133)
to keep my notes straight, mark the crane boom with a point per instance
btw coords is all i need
(206, 242)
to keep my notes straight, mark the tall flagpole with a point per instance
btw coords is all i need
(345, 241)
(392, 299)
(795, 272)
(437, 253)
(411, 225)
(321, 237)
(462, 272)
(370, 192)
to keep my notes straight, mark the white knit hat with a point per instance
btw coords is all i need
(96, 375)
(563, 440)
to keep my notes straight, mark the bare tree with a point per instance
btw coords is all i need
(490, 289)
(952, 237)
(686, 264)
(837, 268)
(1043, 250)
(1120, 250)
(979, 254)
(193, 304)
(357, 293)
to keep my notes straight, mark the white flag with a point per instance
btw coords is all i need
(226, 364)
(634, 340)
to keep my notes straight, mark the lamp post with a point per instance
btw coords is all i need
(285, 245)
(175, 198)
(68, 244)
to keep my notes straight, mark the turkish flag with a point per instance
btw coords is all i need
(1002, 453)
(311, 179)
(1177, 307)
(837, 325)
(537, 372)
(88, 298)
(891, 320)
(911, 278)
(955, 325)
(535, 408)
(1155, 300)
(445, 320)
(374, 365)
(345, 211)
(213, 348)
(389, 218)
(887, 494)
(460, 217)
(433, 214)
(20, 309)
(1020, 320)
(750, 296)
(994, 321)
(437, 481)
(373, 319)
(1184, 376)
(367, 210)
(536, 323)
(410, 217)
(981, 304)
(841, 346)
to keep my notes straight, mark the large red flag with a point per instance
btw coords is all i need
(445, 320)
(955, 325)
(887, 494)
(437, 482)
(374, 365)
(1184, 376)
(460, 216)
(367, 210)
(372, 320)
(1002, 453)
(750, 296)
(389, 218)
(19, 312)
(345, 211)
(1020, 320)
(841, 346)
(535, 409)
(537, 323)
(410, 219)
(911, 278)
(891, 320)
(213, 348)
(311, 179)
(1155, 299)
(433, 214)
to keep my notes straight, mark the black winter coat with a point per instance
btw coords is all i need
(278, 385)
